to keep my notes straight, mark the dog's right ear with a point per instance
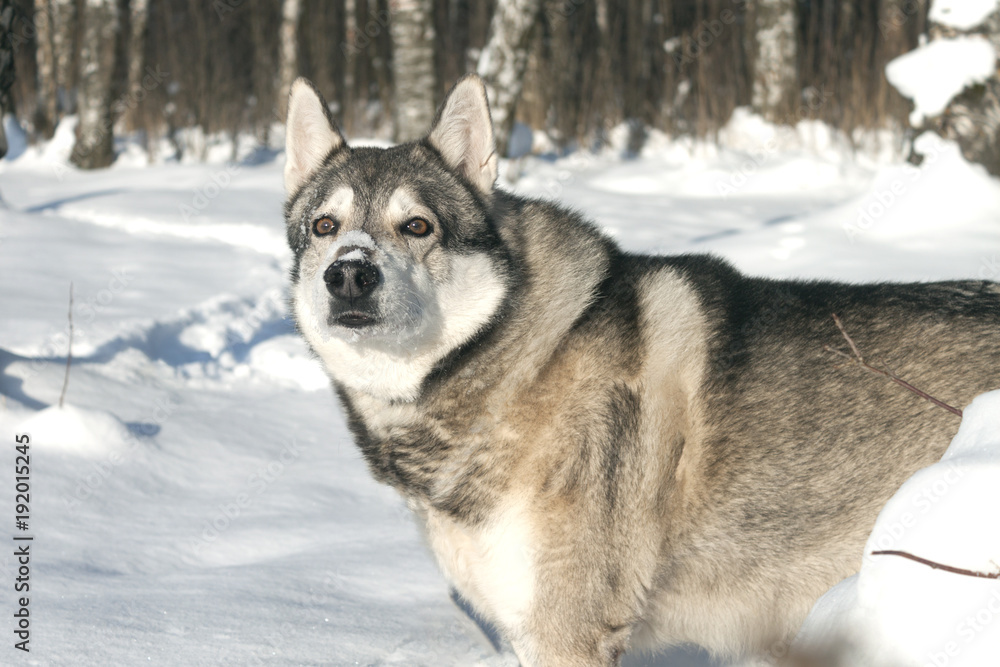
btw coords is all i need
(310, 134)
(463, 133)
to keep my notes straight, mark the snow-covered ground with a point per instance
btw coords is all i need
(898, 612)
(199, 501)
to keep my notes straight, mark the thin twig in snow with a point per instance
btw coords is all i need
(69, 352)
(858, 359)
(938, 566)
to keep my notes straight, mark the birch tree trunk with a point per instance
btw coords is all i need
(774, 63)
(64, 50)
(94, 146)
(288, 66)
(45, 60)
(138, 18)
(412, 29)
(504, 59)
(349, 51)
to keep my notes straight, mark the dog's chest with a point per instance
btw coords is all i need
(492, 566)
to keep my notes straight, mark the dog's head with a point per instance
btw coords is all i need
(397, 259)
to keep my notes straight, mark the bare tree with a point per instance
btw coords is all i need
(94, 146)
(504, 59)
(138, 19)
(774, 65)
(45, 61)
(412, 29)
(263, 83)
(289, 62)
(64, 50)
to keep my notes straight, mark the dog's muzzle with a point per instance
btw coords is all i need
(350, 283)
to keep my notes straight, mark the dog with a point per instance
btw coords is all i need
(608, 451)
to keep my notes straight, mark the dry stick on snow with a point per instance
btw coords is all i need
(939, 566)
(857, 358)
(69, 352)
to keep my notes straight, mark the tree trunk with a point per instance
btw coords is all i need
(6, 65)
(138, 19)
(64, 51)
(289, 52)
(972, 118)
(45, 60)
(349, 51)
(263, 81)
(94, 146)
(774, 65)
(412, 30)
(504, 59)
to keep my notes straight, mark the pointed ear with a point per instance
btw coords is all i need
(310, 134)
(463, 133)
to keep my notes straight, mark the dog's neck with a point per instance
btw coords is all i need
(427, 447)
(558, 265)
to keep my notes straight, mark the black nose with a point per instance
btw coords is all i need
(351, 279)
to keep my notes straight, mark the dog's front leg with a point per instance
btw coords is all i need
(562, 643)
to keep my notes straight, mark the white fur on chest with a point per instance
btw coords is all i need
(491, 566)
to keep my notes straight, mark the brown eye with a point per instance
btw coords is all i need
(323, 226)
(417, 227)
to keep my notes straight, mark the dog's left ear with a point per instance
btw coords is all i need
(463, 133)
(310, 134)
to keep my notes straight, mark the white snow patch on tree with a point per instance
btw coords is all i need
(775, 58)
(503, 60)
(933, 74)
(962, 14)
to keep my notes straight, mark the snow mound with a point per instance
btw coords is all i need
(74, 430)
(962, 14)
(17, 140)
(906, 204)
(286, 360)
(978, 437)
(898, 612)
(934, 73)
(246, 235)
(52, 155)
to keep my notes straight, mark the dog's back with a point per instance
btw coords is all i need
(796, 448)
